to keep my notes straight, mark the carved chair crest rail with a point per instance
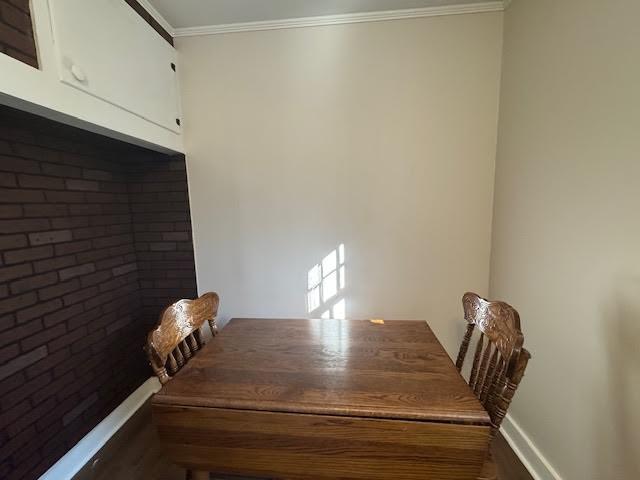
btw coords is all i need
(178, 336)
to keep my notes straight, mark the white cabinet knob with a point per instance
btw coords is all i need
(78, 74)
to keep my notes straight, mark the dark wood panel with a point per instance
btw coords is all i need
(138, 454)
(507, 462)
(331, 367)
(109, 457)
(150, 20)
(16, 31)
(295, 446)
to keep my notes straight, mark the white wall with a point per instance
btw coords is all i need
(566, 240)
(380, 136)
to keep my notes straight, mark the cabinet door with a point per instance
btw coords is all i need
(104, 48)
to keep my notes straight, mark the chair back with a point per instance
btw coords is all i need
(177, 336)
(499, 360)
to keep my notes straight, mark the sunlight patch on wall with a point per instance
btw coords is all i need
(326, 282)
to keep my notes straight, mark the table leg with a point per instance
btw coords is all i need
(199, 475)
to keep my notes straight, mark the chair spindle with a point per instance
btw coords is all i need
(193, 344)
(179, 356)
(488, 380)
(198, 336)
(186, 351)
(173, 365)
(465, 346)
(213, 326)
(476, 359)
(482, 373)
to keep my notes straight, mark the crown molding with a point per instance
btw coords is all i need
(507, 3)
(494, 6)
(157, 16)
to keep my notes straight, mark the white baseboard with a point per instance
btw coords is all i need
(525, 449)
(85, 449)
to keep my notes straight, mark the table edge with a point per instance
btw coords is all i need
(479, 418)
(381, 414)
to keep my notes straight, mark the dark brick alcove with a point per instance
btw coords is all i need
(95, 239)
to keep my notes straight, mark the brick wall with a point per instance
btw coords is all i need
(95, 240)
(162, 233)
(16, 32)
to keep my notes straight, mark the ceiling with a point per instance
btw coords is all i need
(197, 13)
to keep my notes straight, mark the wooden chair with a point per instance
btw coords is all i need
(177, 336)
(499, 360)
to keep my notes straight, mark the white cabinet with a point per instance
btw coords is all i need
(106, 49)
(103, 69)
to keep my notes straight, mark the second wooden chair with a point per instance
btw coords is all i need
(499, 360)
(177, 336)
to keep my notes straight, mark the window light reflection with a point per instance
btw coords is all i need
(325, 286)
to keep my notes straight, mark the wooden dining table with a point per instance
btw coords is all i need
(323, 399)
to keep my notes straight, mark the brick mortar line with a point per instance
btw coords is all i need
(16, 6)
(21, 52)
(57, 270)
(27, 33)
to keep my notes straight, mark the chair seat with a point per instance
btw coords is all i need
(489, 470)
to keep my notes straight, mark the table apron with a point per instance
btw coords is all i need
(303, 446)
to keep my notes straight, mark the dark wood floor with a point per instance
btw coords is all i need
(135, 453)
(509, 465)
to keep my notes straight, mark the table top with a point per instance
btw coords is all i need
(350, 368)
